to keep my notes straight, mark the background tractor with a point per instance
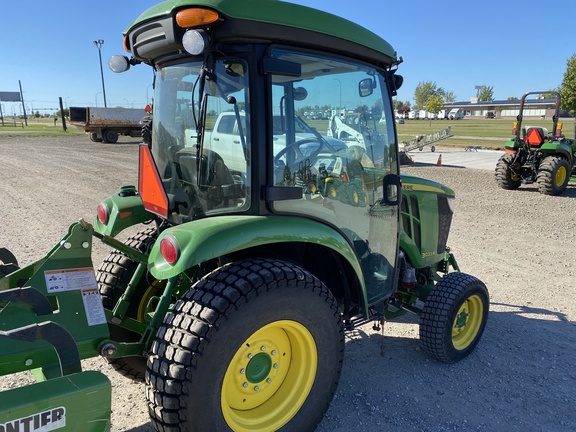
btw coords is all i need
(537, 155)
(232, 299)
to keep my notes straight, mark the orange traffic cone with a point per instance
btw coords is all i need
(439, 163)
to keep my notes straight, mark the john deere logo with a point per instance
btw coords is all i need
(40, 422)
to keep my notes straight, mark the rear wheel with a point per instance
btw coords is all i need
(113, 277)
(454, 317)
(109, 136)
(553, 175)
(256, 345)
(505, 177)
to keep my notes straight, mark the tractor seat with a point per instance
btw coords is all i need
(535, 135)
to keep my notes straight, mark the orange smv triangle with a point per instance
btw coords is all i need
(534, 138)
(150, 185)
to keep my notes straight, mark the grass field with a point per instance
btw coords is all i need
(488, 133)
(36, 127)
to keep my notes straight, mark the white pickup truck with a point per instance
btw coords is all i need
(227, 138)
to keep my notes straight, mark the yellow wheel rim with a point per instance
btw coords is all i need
(560, 177)
(355, 197)
(513, 176)
(151, 291)
(269, 377)
(467, 322)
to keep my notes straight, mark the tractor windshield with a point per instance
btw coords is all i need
(200, 137)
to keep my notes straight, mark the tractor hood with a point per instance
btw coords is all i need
(426, 215)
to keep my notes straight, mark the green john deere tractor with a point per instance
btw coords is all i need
(232, 301)
(537, 155)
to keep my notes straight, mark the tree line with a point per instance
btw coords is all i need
(428, 96)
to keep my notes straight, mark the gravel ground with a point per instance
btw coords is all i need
(520, 243)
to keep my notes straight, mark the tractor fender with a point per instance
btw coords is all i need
(124, 209)
(205, 239)
(555, 148)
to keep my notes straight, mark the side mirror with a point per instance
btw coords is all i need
(119, 63)
(300, 93)
(396, 83)
(365, 87)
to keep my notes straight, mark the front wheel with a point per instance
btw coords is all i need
(255, 345)
(454, 317)
(553, 175)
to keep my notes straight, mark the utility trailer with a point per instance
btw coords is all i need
(421, 141)
(107, 124)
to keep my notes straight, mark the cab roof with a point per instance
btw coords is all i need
(280, 22)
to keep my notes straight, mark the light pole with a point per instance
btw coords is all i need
(147, 98)
(478, 88)
(98, 43)
(340, 87)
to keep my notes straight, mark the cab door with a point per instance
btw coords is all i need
(337, 148)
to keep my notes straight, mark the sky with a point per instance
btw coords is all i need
(513, 46)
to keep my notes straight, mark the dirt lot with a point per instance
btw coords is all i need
(521, 244)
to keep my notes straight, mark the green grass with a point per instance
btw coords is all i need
(36, 127)
(488, 133)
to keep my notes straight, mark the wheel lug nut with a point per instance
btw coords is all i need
(245, 385)
(262, 348)
(268, 380)
(250, 356)
(275, 365)
(256, 388)
(273, 352)
(242, 371)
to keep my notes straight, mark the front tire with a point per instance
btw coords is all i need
(553, 175)
(505, 177)
(331, 191)
(255, 345)
(454, 317)
(113, 277)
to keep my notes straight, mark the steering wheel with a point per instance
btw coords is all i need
(299, 156)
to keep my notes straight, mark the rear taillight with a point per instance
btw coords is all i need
(169, 249)
(558, 130)
(103, 213)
